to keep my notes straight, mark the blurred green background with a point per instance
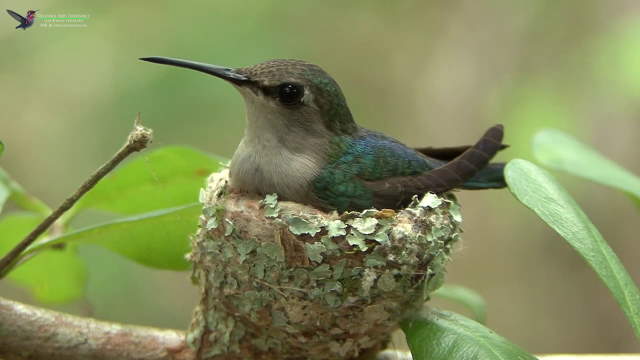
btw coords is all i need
(428, 73)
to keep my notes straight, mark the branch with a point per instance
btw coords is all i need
(33, 333)
(138, 139)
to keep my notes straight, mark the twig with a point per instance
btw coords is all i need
(34, 333)
(272, 287)
(138, 139)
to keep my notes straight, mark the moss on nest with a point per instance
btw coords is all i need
(281, 280)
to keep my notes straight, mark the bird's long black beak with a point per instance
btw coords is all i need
(225, 73)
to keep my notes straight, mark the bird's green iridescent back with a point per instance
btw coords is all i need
(369, 156)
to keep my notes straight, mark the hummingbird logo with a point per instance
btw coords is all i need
(25, 21)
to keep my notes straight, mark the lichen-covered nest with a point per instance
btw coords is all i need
(281, 280)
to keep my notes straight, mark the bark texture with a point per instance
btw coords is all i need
(28, 332)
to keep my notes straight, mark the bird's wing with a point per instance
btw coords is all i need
(447, 153)
(356, 162)
(443, 178)
(373, 170)
(19, 18)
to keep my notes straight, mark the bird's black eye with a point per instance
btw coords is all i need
(290, 94)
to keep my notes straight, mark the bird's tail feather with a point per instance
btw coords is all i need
(490, 177)
(453, 174)
(467, 165)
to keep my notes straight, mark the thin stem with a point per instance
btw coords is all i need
(138, 139)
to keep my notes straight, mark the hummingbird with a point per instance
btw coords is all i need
(25, 22)
(302, 142)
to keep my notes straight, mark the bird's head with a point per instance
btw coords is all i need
(286, 95)
(32, 12)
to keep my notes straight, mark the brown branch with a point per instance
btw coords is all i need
(32, 333)
(138, 139)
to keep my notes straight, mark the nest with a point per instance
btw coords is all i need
(281, 280)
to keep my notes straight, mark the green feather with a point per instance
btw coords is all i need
(368, 157)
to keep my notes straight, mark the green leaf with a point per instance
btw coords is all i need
(4, 189)
(539, 191)
(19, 196)
(55, 275)
(159, 239)
(444, 335)
(635, 200)
(561, 151)
(165, 178)
(466, 297)
(4, 194)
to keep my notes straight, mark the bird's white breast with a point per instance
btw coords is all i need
(264, 169)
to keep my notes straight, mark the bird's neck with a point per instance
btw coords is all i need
(274, 128)
(266, 137)
(279, 154)
(265, 164)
